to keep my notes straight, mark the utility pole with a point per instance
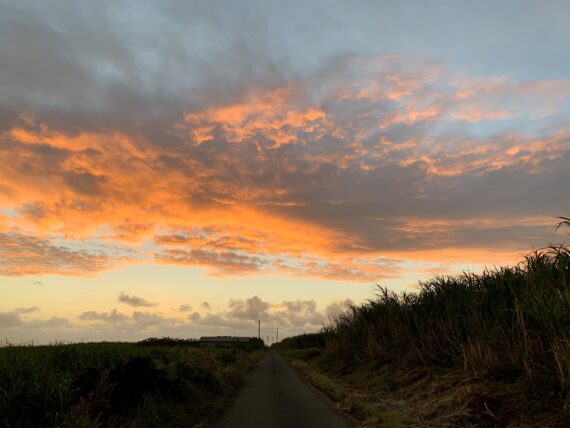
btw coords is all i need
(259, 329)
(277, 340)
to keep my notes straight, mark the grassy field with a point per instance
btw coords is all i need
(118, 384)
(489, 349)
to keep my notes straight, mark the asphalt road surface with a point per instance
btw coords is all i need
(274, 396)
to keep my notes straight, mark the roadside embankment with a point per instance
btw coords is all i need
(489, 349)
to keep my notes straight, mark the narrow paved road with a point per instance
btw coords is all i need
(274, 396)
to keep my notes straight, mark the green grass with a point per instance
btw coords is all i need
(117, 384)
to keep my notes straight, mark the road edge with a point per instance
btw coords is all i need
(326, 399)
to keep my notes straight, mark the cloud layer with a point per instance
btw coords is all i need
(239, 318)
(119, 147)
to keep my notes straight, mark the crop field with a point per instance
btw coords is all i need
(170, 383)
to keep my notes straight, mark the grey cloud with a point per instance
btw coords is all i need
(84, 183)
(190, 45)
(138, 320)
(89, 62)
(251, 309)
(247, 312)
(172, 239)
(334, 309)
(50, 323)
(146, 319)
(28, 310)
(10, 319)
(293, 315)
(222, 261)
(206, 305)
(240, 318)
(299, 305)
(298, 314)
(112, 316)
(184, 308)
(13, 320)
(134, 300)
(219, 320)
(194, 317)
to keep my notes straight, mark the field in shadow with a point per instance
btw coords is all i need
(159, 382)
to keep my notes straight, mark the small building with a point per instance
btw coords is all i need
(229, 341)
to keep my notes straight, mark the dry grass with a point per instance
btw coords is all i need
(396, 395)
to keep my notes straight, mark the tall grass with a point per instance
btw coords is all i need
(506, 322)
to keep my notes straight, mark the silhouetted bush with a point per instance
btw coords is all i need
(304, 341)
(168, 341)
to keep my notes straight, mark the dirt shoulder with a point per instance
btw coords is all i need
(402, 395)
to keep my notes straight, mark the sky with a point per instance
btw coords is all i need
(186, 168)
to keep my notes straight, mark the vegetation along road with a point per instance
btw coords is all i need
(274, 396)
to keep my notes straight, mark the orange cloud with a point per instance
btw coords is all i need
(316, 177)
(270, 114)
(28, 255)
(473, 156)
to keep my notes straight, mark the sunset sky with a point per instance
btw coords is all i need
(186, 168)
